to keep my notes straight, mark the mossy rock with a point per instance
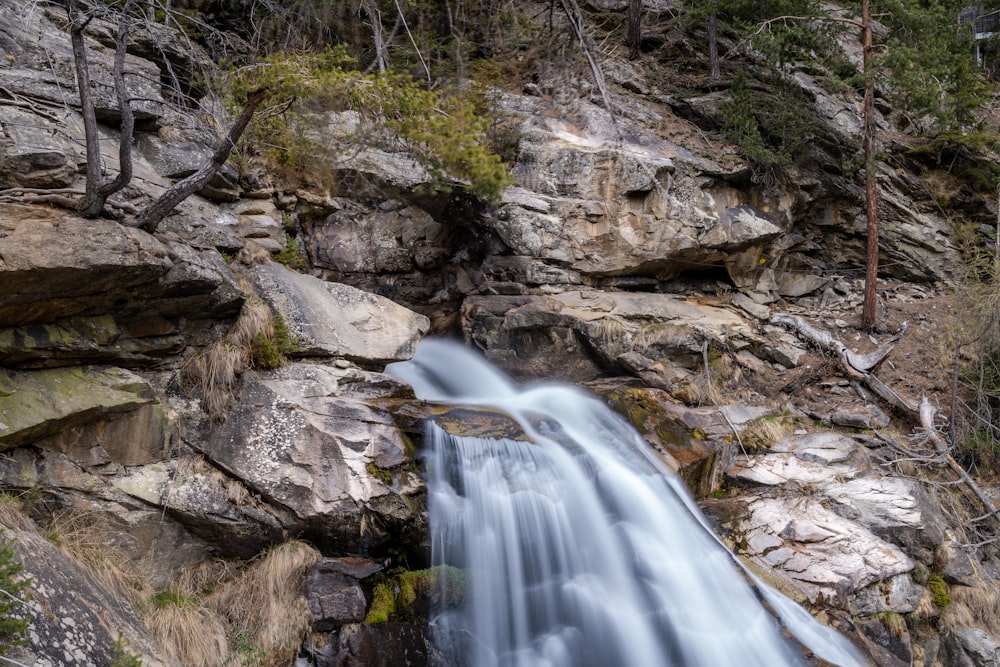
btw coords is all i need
(408, 594)
(37, 404)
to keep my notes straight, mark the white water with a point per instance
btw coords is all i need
(581, 548)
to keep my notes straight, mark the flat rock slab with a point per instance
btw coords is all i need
(37, 404)
(823, 553)
(337, 320)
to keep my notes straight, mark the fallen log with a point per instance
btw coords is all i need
(861, 368)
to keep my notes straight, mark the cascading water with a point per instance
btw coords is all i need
(580, 547)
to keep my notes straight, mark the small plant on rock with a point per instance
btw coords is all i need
(13, 593)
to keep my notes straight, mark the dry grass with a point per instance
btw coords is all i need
(253, 257)
(972, 607)
(12, 512)
(89, 541)
(255, 319)
(265, 604)
(612, 335)
(216, 370)
(190, 633)
(201, 579)
(762, 433)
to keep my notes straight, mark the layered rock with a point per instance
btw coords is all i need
(75, 291)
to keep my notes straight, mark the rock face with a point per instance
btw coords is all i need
(74, 619)
(335, 462)
(337, 320)
(619, 258)
(92, 291)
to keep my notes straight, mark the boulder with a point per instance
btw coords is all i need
(74, 619)
(578, 335)
(301, 439)
(823, 554)
(334, 593)
(212, 506)
(970, 647)
(337, 320)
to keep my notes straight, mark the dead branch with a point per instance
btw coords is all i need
(927, 414)
(859, 367)
(149, 218)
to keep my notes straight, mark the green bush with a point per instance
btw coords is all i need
(13, 594)
(441, 128)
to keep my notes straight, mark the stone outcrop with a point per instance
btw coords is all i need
(91, 291)
(74, 619)
(336, 320)
(306, 439)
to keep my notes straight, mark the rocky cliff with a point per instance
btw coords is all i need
(164, 453)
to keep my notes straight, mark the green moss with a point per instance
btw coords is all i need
(381, 474)
(939, 590)
(396, 596)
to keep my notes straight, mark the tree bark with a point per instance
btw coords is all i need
(77, 23)
(633, 32)
(96, 195)
(151, 216)
(713, 49)
(871, 189)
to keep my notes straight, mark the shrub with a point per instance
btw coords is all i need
(13, 593)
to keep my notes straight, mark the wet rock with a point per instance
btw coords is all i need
(389, 644)
(337, 320)
(896, 650)
(335, 598)
(670, 431)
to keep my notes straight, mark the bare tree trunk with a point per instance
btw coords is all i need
(633, 32)
(77, 23)
(713, 49)
(150, 217)
(96, 194)
(871, 190)
(376, 22)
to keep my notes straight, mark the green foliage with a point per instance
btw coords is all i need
(291, 254)
(770, 135)
(939, 590)
(442, 128)
(172, 597)
(13, 593)
(264, 353)
(122, 656)
(270, 349)
(928, 61)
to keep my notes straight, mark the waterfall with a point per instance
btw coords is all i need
(579, 547)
